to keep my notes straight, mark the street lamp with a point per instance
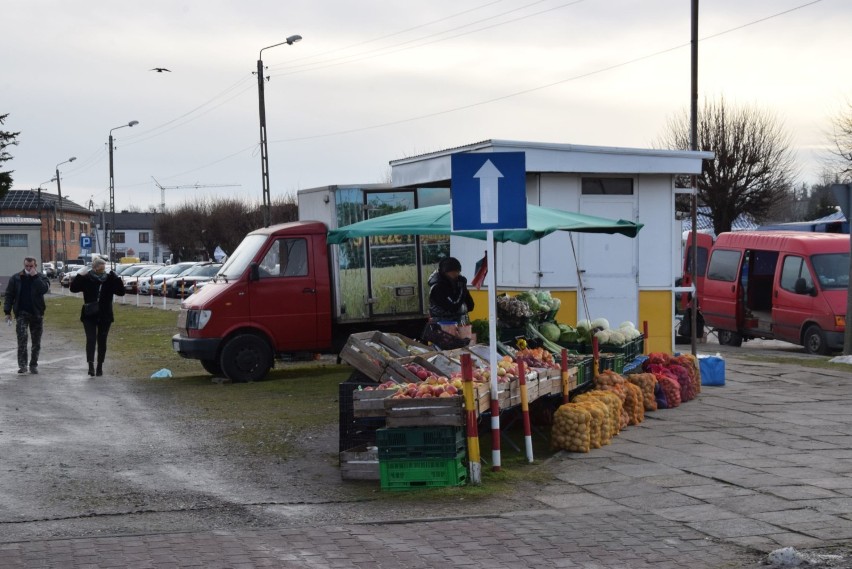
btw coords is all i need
(62, 211)
(264, 156)
(112, 195)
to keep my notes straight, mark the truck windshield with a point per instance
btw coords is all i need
(832, 270)
(239, 260)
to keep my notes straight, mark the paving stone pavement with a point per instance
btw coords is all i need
(761, 463)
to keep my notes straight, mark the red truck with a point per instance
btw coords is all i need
(284, 291)
(783, 285)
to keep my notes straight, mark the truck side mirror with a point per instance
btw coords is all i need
(254, 272)
(801, 286)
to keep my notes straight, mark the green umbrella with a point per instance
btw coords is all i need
(436, 220)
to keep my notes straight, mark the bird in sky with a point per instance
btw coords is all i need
(160, 69)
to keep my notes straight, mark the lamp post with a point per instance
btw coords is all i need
(62, 210)
(264, 156)
(112, 195)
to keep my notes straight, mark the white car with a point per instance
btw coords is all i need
(154, 285)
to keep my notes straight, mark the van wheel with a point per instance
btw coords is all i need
(246, 358)
(212, 367)
(814, 341)
(728, 338)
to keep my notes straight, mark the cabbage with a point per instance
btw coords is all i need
(602, 336)
(584, 325)
(550, 331)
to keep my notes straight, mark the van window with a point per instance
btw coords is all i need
(723, 265)
(832, 270)
(794, 268)
(702, 261)
(286, 258)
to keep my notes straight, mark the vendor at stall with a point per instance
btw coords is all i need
(449, 299)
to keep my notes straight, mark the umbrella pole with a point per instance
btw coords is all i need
(492, 353)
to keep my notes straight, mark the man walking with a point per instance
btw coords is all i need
(25, 296)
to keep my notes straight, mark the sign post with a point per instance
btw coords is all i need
(488, 192)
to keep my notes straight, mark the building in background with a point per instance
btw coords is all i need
(62, 224)
(134, 236)
(19, 238)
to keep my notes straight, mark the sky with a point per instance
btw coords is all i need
(378, 80)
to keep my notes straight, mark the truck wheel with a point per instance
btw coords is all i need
(728, 338)
(212, 367)
(814, 341)
(246, 358)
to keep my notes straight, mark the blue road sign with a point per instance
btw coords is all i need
(85, 242)
(489, 191)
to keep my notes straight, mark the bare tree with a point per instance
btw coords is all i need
(841, 140)
(753, 168)
(195, 229)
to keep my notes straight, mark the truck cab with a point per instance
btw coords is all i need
(272, 296)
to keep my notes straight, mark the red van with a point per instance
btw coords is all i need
(782, 285)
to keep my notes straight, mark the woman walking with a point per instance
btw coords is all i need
(98, 288)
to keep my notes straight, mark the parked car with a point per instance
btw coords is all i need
(69, 274)
(178, 287)
(49, 269)
(131, 283)
(154, 284)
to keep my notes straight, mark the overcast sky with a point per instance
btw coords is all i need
(377, 80)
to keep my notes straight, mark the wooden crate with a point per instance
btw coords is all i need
(360, 463)
(370, 403)
(395, 370)
(425, 412)
(447, 365)
(366, 353)
(405, 345)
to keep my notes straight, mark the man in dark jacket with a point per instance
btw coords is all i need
(25, 297)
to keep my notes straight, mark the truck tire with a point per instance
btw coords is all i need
(814, 341)
(246, 357)
(728, 338)
(212, 367)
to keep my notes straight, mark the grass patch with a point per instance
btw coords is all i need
(265, 417)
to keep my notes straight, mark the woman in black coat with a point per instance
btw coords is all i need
(97, 286)
(449, 298)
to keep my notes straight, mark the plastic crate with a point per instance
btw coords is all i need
(411, 474)
(420, 442)
(355, 431)
(584, 367)
(612, 361)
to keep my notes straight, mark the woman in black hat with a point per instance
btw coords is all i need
(449, 299)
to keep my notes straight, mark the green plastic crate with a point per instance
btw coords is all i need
(420, 442)
(411, 474)
(584, 367)
(611, 361)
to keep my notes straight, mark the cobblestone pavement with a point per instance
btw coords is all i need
(762, 463)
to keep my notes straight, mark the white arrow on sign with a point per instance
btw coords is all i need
(489, 179)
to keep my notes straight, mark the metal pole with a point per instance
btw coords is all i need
(264, 151)
(264, 155)
(62, 218)
(693, 142)
(112, 195)
(111, 207)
